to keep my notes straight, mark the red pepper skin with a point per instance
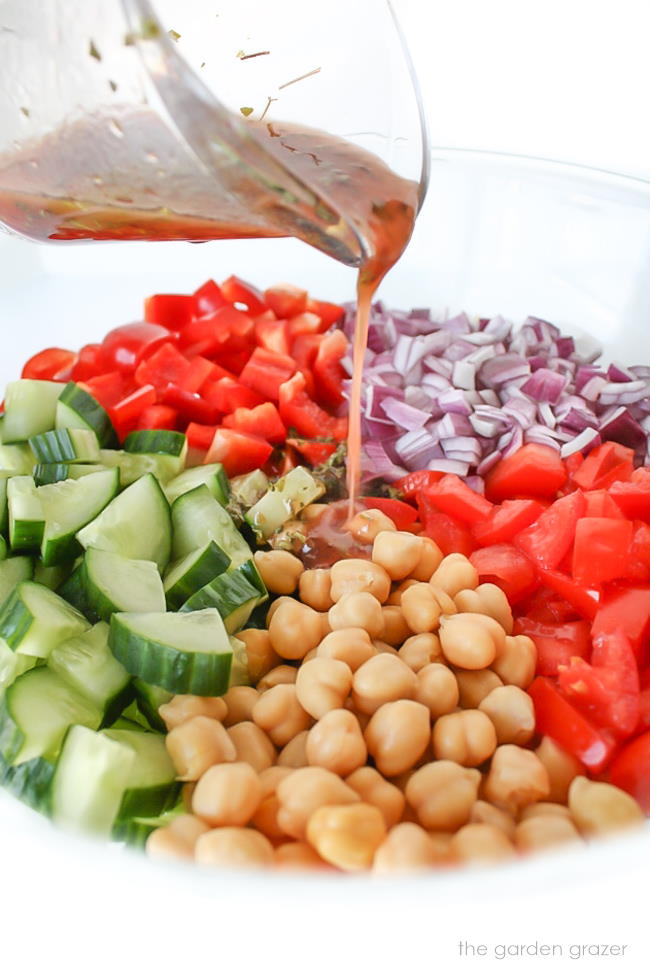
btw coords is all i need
(314, 452)
(189, 406)
(561, 721)
(234, 289)
(301, 413)
(265, 372)
(166, 365)
(208, 298)
(238, 452)
(630, 770)
(157, 417)
(49, 363)
(124, 347)
(172, 311)
(262, 421)
(328, 371)
(285, 300)
(403, 515)
(228, 395)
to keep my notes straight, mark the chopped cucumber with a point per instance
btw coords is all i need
(249, 488)
(88, 665)
(90, 780)
(239, 673)
(150, 699)
(231, 594)
(34, 620)
(13, 571)
(17, 459)
(30, 408)
(35, 714)
(168, 442)
(12, 664)
(283, 501)
(31, 782)
(73, 592)
(68, 507)
(135, 832)
(212, 475)
(252, 573)
(62, 446)
(136, 524)
(26, 514)
(51, 473)
(4, 512)
(186, 653)
(185, 577)
(134, 466)
(76, 409)
(113, 583)
(52, 576)
(151, 785)
(197, 519)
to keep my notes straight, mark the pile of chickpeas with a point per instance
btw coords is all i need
(389, 728)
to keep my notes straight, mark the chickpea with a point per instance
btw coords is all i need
(465, 737)
(469, 601)
(441, 842)
(284, 674)
(397, 552)
(352, 646)
(395, 598)
(512, 713)
(599, 808)
(294, 629)
(430, 559)
(326, 629)
(360, 609)
(366, 525)
(480, 843)
(260, 654)
(420, 607)
(397, 735)
(541, 832)
(176, 841)
(305, 791)
(359, 575)
(266, 815)
(382, 647)
(496, 605)
(298, 856)
(252, 745)
(420, 650)
(516, 778)
(227, 795)
(313, 512)
(515, 663)
(294, 753)
(233, 846)
(437, 689)
(562, 768)
(182, 707)
(347, 836)
(381, 679)
(336, 743)
(322, 685)
(485, 812)
(446, 603)
(275, 605)
(454, 573)
(474, 685)
(314, 589)
(279, 714)
(396, 629)
(466, 641)
(407, 848)
(374, 789)
(187, 791)
(196, 745)
(240, 702)
(545, 809)
(280, 571)
(442, 794)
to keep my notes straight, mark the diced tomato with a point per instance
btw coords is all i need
(604, 465)
(166, 365)
(328, 371)
(328, 313)
(452, 496)
(638, 566)
(583, 601)
(228, 395)
(626, 608)
(411, 484)
(630, 770)
(200, 436)
(573, 464)
(238, 452)
(532, 471)
(124, 347)
(263, 421)
(286, 300)
(607, 689)
(208, 298)
(508, 568)
(404, 515)
(266, 371)
(189, 406)
(557, 717)
(602, 549)
(305, 324)
(272, 334)
(599, 504)
(128, 409)
(448, 534)
(545, 606)
(300, 413)
(198, 373)
(108, 388)
(237, 291)
(49, 363)
(504, 521)
(157, 418)
(172, 311)
(556, 643)
(549, 539)
(633, 498)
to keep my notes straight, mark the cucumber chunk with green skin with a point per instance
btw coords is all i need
(113, 584)
(90, 780)
(52, 576)
(88, 665)
(136, 524)
(239, 673)
(151, 785)
(13, 571)
(63, 446)
(73, 592)
(283, 501)
(3, 549)
(135, 832)
(51, 473)
(231, 594)
(150, 698)
(26, 514)
(168, 442)
(188, 575)
(16, 459)
(197, 519)
(247, 489)
(35, 714)
(34, 620)
(4, 512)
(68, 507)
(186, 653)
(133, 466)
(30, 782)
(30, 408)
(76, 409)
(252, 573)
(212, 475)
(13, 665)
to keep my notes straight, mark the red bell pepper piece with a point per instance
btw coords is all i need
(584, 601)
(199, 372)
(300, 413)
(314, 452)
(227, 395)
(630, 770)
(411, 484)
(304, 349)
(49, 363)
(262, 421)
(130, 407)
(157, 417)
(305, 324)
(605, 464)
(448, 534)
(627, 608)
(532, 471)
(208, 298)
(189, 406)
(266, 371)
(285, 300)
(549, 539)
(166, 365)
(556, 643)
(172, 311)
(557, 717)
(236, 290)
(108, 388)
(404, 515)
(272, 334)
(328, 371)
(200, 436)
(328, 313)
(452, 496)
(504, 521)
(87, 364)
(124, 347)
(238, 452)
(601, 551)
(508, 568)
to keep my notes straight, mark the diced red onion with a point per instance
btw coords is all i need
(586, 440)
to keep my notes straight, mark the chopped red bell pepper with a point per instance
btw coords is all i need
(262, 421)
(449, 535)
(237, 291)
(315, 452)
(189, 406)
(328, 313)
(549, 539)
(630, 770)
(452, 496)
(404, 515)
(305, 324)
(166, 365)
(508, 568)
(124, 347)
(506, 520)
(272, 334)
(304, 349)
(602, 550)
(172, 311)
(199, 372)
(128, 409)
(584, 601)
(627, 608)
(49, 363)
(238, 452)
(300, 413)
(533, 471)
(411, 484)
(266, 371)
(605, 464)
(88, 362)
(157, 417)
(557, 717)
(227, 395)
(556, 643)
(108, 388)
(328, 371)
(208, 298)
(200, 435)
(285, 300)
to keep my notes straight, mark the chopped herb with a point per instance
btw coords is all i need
(25, 111)
(267, 106)
(203, 64)
(246, 110)
(94, 53)
(300, 78)
(239, 54)
(149, 30)
(113, 85)
(246, 57)
(175, 36)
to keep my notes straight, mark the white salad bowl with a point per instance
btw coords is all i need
(497, 234)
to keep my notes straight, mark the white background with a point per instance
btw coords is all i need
(565, 80)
